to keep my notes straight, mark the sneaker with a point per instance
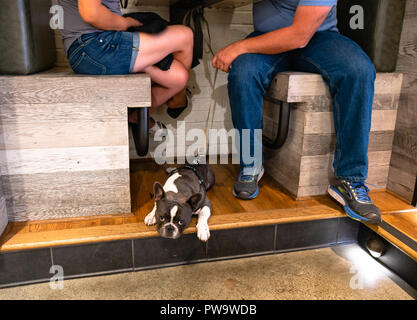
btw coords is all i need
(175, 113)
(246, 186)
(354, 197)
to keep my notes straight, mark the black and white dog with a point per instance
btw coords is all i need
(183, 195)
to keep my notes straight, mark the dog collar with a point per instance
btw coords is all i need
(193, 169)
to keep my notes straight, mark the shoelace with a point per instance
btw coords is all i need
(246, 178)
(361, 191)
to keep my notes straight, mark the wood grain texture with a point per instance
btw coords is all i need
(66, 194)
(63, 139)
(61, 112)
(304, 164)
(404, 161)
(301, 86)
(3, 211)
(405, 222)
(66, 87)
(32, 161)
(64, 135)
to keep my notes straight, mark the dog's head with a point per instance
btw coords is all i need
(173, 212)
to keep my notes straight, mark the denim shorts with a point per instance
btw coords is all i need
(104, 53)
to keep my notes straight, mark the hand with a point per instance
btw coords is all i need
(224, 58)
(130, 22)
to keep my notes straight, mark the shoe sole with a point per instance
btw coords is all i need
(253, 196)
(336, 195)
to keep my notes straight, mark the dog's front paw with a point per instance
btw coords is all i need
(150, 219)
(203, 232)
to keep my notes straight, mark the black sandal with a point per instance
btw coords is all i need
(176, 112)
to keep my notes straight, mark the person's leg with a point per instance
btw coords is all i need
(249, 78)
(177, 40)
(350, 76)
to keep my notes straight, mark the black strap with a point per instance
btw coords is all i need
(193, 169)
(124, 3)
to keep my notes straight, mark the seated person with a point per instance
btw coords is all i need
(302, 35)
(97, 43)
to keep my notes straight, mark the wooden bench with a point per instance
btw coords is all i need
(64, 143)
(304, 164)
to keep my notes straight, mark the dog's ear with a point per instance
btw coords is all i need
(158, 191)
(195, 200)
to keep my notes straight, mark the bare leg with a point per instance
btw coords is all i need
(177, 40)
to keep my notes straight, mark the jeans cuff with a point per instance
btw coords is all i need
(251, 171)
(135, 50)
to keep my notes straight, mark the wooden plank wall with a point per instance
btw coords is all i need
(304, 164)
(403, 169)
(64, 144)
(3, 210)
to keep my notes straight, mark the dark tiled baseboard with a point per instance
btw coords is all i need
(25, 267)
(94, 258)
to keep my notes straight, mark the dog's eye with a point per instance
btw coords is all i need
(181, 222)
(162, 218)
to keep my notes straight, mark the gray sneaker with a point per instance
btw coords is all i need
(354, 197)
(246, 186)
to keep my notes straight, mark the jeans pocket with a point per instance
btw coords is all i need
(86, 65)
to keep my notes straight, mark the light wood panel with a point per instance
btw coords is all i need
(3, 210)
(304, 164)
(66, 87)
(64, 143)
(66, 194)
(297, 86)
(403, 171)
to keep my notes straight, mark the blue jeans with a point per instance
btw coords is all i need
(347, 71)
(104, 53)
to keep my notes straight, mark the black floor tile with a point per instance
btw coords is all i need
(25, 266)
(101, 257)
(347, 231)
(158, 251)
(233, 242)
(306, 234)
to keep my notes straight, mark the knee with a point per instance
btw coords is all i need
(243, 71)
(362, 70)
(186, 35)
(181, 78)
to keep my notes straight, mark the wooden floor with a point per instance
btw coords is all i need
(272, 206)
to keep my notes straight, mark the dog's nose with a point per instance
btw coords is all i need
(169, 228)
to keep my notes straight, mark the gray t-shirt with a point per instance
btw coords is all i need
(74, 25)
(269, 15)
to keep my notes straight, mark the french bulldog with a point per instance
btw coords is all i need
(182, 196)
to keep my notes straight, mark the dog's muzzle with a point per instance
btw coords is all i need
(169, 231)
